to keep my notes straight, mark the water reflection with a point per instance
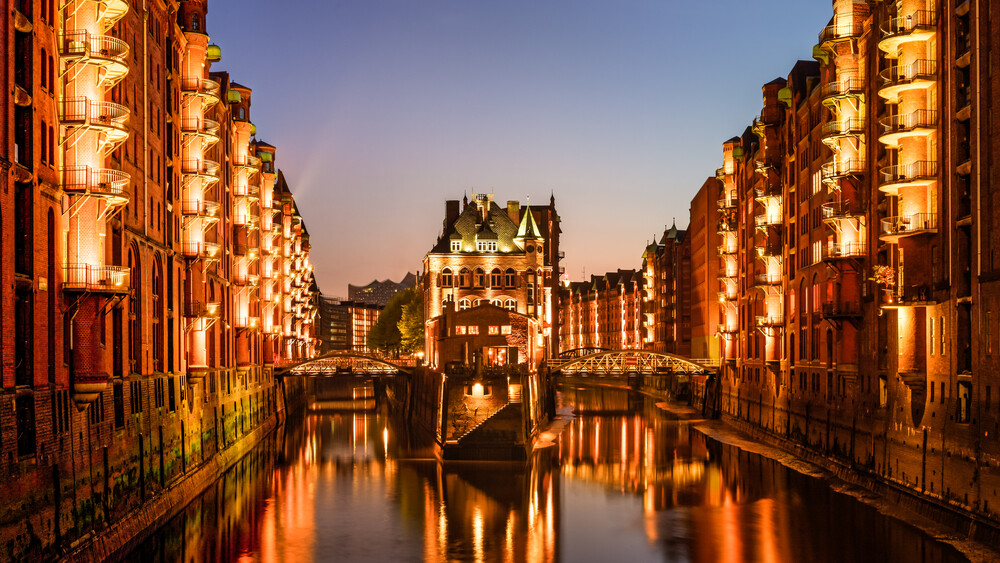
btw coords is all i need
(625, 481)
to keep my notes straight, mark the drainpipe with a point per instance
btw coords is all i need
(145, 114)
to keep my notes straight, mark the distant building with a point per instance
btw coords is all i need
(345, 324)
(605, 312)
(667, 303)
(380, 292)
(490, 257)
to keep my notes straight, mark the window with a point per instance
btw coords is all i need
(496, 302)
(933, 343)
(171, 399)
(456, 245)
(194, 23)
(473, 329)
(509, 278)
(480, 280)
(446, 278)
(135, 396)
(942, 337)
(464, 277)
(464, 304)
(510, 305)
(505, 329)
(460, 329)
(495, 277)
(494, 330)
(118, 397)
(883, 391)
(964, 400)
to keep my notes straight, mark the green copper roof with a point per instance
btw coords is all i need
(528, 229)
(213, 53)
(234, 96)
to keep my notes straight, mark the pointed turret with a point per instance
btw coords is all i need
(528, 230)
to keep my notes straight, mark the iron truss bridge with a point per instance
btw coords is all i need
(345, 363)
(622, 362)
(580, 352)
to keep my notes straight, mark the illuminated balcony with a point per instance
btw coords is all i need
(243, 249)
(104, 183)
(918, 75)
(201, 250)
(206, 170)
(247, 191)
(721, 173)
(768, 192)
(894, 228)
(840, 32)
(767, 280)
(727, 249)
(244, 322)
(202, 310)
(727, 226)
(96, 279)
(837, 170)
(205, 129)
(911, 296)
(249, 280)
(834, 310)
(79, 46)
(246, 220)
(834, 251)
(766, 220)
(108, 118)
(205, 88)
(111, 11)
(919, 173)
(727, 203)
(835, 130)
(770, 251)
(918, 26)
(836, 211)
(764, 165)
(920, 123)
(833, 92)
(249, 164)
(196, 208)
(769, 321)
(727, 296)
(728, 330)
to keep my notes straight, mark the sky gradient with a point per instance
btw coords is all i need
(383, 109)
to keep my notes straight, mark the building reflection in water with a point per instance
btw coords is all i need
(625, 481)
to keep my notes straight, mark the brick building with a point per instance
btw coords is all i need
(344, 324)
(666, 308)
(605, 312)
(151, 271)
(487, 254)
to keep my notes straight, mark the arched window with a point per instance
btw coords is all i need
(464, 304)
(496, 302)
(52, 145)
(509, 278)
(464, 277)
(495, 277)
(157, 307)
(44, 138)
(52, 73)
(44, 74)
(194, 22)
(446, 277)
(481, 302)
(51, 295)
(243, 113)
(135, 313)
(510, 305)
(480, 278)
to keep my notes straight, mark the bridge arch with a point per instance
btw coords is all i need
(620, 362)
(344, 362)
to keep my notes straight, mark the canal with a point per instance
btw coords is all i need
(625, 481)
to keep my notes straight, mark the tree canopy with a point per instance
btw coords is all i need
(400, 326)
(411, 325)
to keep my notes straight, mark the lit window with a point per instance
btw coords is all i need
(492, 246)
(481, 245)
(464, 277)
(496, 302)
(456, 245)
(505, 329)
(464, 304)
(508, 278)
(473, 329)
(446, 278)
(480, 302)
(480, 278)
(495, 277)
(494, 330)
(510, 305)
(460, 329)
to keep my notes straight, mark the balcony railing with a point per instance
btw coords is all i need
(844, 250)
(727, 225)
(100, 279)
(200, 126)
(200, 208)
(197, 167)
(842, 88)
(837, 169)
(841, 32)
(914, 295)
(922, 121)
(202, 310)
(921, 172)
(727, 295)
(921, 73)
(919, 25)
(833, 210)
(84, 112)
(104, 49)
(727, 203)
(728, 329)
(96, 182)
(918, 223)
(726, 249)
(204, 250)
(204, 87)
(838, 310)
(768, 220)
(246, 322)
(769, 190)
(767, 279)
(769, 321)
(770, 251)
(844, 127)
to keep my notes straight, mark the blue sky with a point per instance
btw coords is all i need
(383, 109)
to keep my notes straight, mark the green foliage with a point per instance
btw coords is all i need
(385, 336)
(411, 324)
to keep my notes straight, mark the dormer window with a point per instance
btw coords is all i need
(456, 246)
(486, 245)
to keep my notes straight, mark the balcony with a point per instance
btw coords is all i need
(250, 280)
(833, 92)
(249, 164)
(104, 183)
(201, 250)
(202, 310)
(727, 249)
(112, 11)
(920, 123)
(727, 296)
(727, 226)
(244, 322)
(833, 310)
(840, 32)
(836, 211)
(198, 127)
(206, 210)
(728, 329)
(207, 170)
(767, 280)
(911, 296)
(768, 220)
(918, 75)
(837, 170)
(205, 88)
(770, 251)
(835, 130)
(918, 26)
(79, 46)
(247, 191)
(727, 203)
(108, 118)
(834, 251)
(894, 228)
(769, 321)
(919, 173)
(770, 191)
(721, 173)
(764, 165)
(245, 219)
(96, 279)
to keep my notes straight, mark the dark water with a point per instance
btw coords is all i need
(625, 482)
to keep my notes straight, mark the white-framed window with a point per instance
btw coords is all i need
(510, 305)
(494, 330)
(464, 304)
(456, 246)
(505, 329)
(460, 329)
(446, 277)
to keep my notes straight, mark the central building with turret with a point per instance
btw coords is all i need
(489, 284)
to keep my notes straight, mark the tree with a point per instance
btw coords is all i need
(384, 335)
(411, 324)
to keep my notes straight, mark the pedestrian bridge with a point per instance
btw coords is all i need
(346, 363)
(625, 362)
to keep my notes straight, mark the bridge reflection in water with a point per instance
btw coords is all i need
(625, 482)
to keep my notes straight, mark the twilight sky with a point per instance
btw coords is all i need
(383, 109)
